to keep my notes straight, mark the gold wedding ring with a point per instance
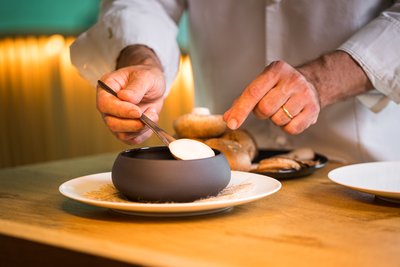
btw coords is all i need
(287, 112)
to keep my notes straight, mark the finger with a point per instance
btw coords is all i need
(141, 138)
(130, 131)
(119, 81)
(109, 104)
(274, 99)
(278, 96)
(139, 132)
(270, 104)
(116, 124)
(144, 84)
(133, 93)
(134, 138)
(114, 80)
(294, 105)
(280, 118)
(246, 102)
(227, 114)
(136, 83)
(303, 120)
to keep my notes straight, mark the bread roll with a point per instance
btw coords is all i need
(199, 126)
(244, 138)
(237, 156)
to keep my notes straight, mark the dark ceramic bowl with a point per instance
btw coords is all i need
(153, 174)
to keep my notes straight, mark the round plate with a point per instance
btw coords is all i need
(287, 174)
(243, 188)
(379, 178)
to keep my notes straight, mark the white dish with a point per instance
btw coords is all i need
(379, 178)
(243, 188)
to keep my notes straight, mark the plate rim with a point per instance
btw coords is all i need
(169, 207)
(375, 191)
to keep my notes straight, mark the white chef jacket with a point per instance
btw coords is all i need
(231, 41)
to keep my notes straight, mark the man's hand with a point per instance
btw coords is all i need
(292, 97)
(140, 85)
(279, 93)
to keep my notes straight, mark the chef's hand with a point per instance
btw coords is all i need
(140, 85)
(280, 93)
(293, 97)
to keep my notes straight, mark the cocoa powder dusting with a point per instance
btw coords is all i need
(109, 193)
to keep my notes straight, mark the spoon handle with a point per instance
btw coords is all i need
(164, 136)
(106, 88)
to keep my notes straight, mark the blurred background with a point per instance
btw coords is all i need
(47, 111)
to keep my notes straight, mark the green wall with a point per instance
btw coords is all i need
(35, 17)
(67, 17)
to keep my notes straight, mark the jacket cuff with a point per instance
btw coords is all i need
(375, 47)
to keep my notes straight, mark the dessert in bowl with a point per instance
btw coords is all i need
(153, 174)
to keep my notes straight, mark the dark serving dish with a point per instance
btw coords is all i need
(287, 174)
(152, 174)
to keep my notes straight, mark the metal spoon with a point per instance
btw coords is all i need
(163, 135)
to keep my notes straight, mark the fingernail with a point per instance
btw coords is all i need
(226, 114)
(232, 124)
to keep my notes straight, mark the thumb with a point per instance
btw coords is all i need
(145, 88)
(133, 92)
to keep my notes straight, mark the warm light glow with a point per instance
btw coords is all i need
(47, 111)
(54, 45)
(186, 72)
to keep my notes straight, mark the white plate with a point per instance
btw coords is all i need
(379, 178)
(245, 187)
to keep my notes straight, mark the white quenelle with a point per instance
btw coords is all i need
(188, 149)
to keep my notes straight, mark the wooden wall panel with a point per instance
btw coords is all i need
(47, 111)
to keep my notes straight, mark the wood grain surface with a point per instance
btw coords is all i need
(310, 222)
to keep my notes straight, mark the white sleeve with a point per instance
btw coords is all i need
(126, 22)
(376, 47)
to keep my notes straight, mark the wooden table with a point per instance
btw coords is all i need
(310, 222)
